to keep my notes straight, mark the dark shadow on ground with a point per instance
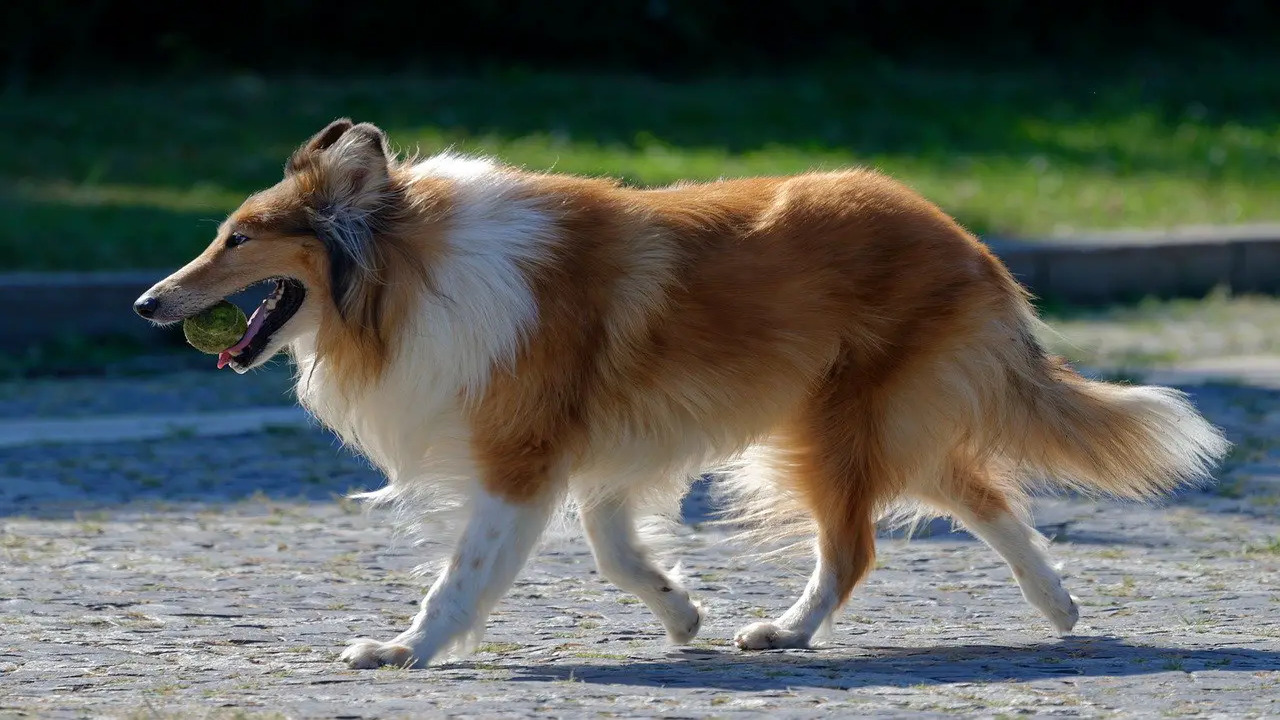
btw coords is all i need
(905, 667)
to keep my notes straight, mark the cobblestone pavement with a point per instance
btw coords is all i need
(194, 576)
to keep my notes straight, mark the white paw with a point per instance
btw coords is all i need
(685, 628)
(767, 636)
(1069, 615)
(366, 654)
(1054, 602)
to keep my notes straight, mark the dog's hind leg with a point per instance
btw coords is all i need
(832, 453)
(990, 515)
(493, 547)
(843, 558)
(624, 560)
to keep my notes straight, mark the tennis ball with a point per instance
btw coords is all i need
(215, 329)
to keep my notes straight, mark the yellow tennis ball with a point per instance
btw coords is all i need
(216, 329)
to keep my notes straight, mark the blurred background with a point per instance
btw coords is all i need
(127, 133)
(126, 129)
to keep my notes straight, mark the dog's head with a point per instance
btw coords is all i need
(314, 234)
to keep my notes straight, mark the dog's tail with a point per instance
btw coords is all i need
(1102, 438)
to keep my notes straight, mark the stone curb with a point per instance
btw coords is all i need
(1102, 269)
(1085, 270)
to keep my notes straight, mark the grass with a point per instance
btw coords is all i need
(1164, 332)
(501, 648)
(137, 173)
(1272, 547)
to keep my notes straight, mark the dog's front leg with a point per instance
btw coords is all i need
(497, 540)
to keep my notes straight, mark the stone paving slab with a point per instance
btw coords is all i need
(220, 577)
(293, 463)
(247, 606)
(200, 388)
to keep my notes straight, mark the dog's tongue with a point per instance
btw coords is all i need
(255, 323)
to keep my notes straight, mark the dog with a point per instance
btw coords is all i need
(505, 343)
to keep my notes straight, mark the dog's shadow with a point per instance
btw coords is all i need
(902, 666)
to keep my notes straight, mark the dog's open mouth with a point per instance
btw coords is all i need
(271, 315)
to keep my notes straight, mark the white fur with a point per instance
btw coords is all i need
(764, 512)
(1023, 549)
(625, 562)
(490, 553)
(455, 167)
(484, 306)
(802, 620)
(1183, 444)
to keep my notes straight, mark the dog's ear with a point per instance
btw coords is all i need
(371, 137)
(349, 202)
(364, 154)
(325, 139)
(319, 142)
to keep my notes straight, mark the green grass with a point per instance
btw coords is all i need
(136, 173)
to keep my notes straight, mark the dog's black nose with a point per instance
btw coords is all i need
(146, 306)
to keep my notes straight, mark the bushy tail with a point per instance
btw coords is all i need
(1119, 440)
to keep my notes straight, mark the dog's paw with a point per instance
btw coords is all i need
(1067, 616)
(1045, 592)
(1054, 602)
(767, 636)
(687, 627)
(366, 654)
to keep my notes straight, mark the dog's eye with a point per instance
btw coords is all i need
(235, 239)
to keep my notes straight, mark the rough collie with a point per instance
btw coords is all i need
(505, 343)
